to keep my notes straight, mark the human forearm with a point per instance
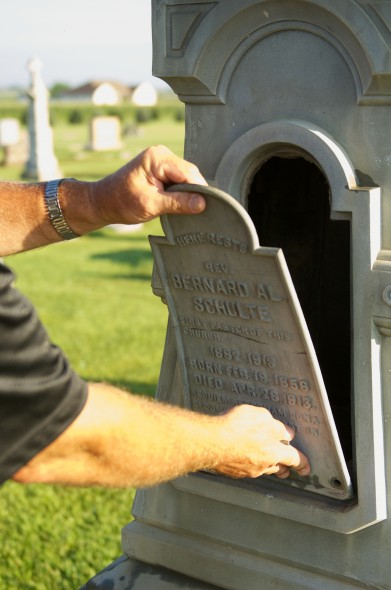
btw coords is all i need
(125, 440)
(24, 222)
(133, 194)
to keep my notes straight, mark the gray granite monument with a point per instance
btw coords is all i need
(288, 111)
(240, 333)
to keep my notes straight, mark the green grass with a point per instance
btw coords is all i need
(57, 538)
(95, 299)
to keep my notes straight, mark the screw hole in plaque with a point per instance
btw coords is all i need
(336, 483)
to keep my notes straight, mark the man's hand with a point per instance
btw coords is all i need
(121, 440)
(136, 193)
(260, 445)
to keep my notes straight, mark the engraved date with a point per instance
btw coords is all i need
(293, 383)
(227, 354)
(290, 399)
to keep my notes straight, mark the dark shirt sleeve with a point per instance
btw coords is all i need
(40, 395)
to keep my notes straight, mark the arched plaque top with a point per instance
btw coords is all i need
(227, 30)
(227, 204)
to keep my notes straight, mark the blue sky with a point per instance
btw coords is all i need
(76, 40)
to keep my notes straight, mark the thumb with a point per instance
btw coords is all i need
(177, 201)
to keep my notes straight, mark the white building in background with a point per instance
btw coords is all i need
(145, 95)
(98, 93)
(105, 92)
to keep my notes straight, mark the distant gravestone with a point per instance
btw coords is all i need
(13, 141)
(42, 163)
(9, 131)
(105, 134)
(17, 153)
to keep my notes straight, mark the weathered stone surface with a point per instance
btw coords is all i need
(241, 335)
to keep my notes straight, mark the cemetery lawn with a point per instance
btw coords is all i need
(95, 299)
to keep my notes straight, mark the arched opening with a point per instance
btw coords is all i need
(289, 203)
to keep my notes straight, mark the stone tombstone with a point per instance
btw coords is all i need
(241, 335)
(42, 163)
(14, 142)
(105, 133)
(9, 131)
(17, 153)
(288, 111)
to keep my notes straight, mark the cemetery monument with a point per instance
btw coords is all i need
(42, 163)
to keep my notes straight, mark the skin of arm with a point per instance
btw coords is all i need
(133, 194)
(121, 440)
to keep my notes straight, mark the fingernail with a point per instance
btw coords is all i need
(196, 203)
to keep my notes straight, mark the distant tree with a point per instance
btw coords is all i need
(58, 88)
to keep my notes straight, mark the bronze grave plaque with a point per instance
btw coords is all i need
(240, 332)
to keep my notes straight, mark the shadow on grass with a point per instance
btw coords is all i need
(132, 258)
(131, 276)
(111, 235)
